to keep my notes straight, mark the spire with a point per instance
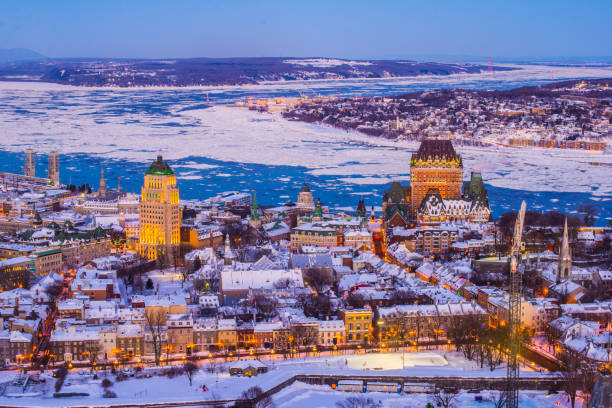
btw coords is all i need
(361, 209)
(254, 208)
(564, 269)
(254, 221)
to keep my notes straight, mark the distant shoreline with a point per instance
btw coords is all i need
(532, 72)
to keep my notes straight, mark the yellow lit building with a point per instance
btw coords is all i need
(435, 165)
(160, 214)
(358, 325)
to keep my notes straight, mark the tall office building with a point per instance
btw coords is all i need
(160, 214)
(54, 168)
(30, 164)
(305, 202)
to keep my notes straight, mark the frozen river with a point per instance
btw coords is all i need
(222, 148)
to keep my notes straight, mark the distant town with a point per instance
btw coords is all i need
(147, 284)
(217, 71)
(567, 115)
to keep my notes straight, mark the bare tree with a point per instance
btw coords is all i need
(106, 383)
(444, 398)
(53, 291)
(254, 398)
(570, 374)
(265, 305)
(589, 213)
(155, 320)
(190, 369)
(356, 300)
(501, 399)
(60, 374)
(92, 349)
(318, 278)
(357, 402)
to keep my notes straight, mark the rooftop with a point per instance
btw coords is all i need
(160, 167)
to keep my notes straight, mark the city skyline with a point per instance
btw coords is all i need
(407, 201)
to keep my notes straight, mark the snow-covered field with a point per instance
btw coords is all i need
(222, 386)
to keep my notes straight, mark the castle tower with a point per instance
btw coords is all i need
(54, 168)
(30, 163)
(305, 202)
(435, 165)
(564, 268)
(254, 221)
(160, 214)
(102, 188)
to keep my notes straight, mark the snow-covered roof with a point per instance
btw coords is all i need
(261, 279)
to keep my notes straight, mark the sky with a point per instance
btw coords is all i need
(374, 29)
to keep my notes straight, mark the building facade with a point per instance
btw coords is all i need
(30, 164)
(160, 214)
(54, 174)
(435, 165)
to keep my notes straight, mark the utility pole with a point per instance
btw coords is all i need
(512, 376)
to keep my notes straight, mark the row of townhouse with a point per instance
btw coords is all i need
(424, 322)
(74, 339)
(15, 346)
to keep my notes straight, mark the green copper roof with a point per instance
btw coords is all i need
(254, 208)
(305, 188)
(160, 167)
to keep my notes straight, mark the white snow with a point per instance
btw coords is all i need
(163, 389)
(75, 120)
(325, 62)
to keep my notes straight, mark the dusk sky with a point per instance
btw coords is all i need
(348, 29)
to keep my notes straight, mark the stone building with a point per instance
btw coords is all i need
(435, 165)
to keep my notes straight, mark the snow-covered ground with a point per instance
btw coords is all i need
(319, 396)
(222, 386)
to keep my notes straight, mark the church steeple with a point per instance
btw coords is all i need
(254, 221)
(564, 268)
(102, 189)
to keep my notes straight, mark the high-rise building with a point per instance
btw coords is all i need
(435, 165)
(305, 202)
(30, 164)
(54, 175)
(102, 188)
(160, 214)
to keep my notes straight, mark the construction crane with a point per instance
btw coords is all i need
(514, 308)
